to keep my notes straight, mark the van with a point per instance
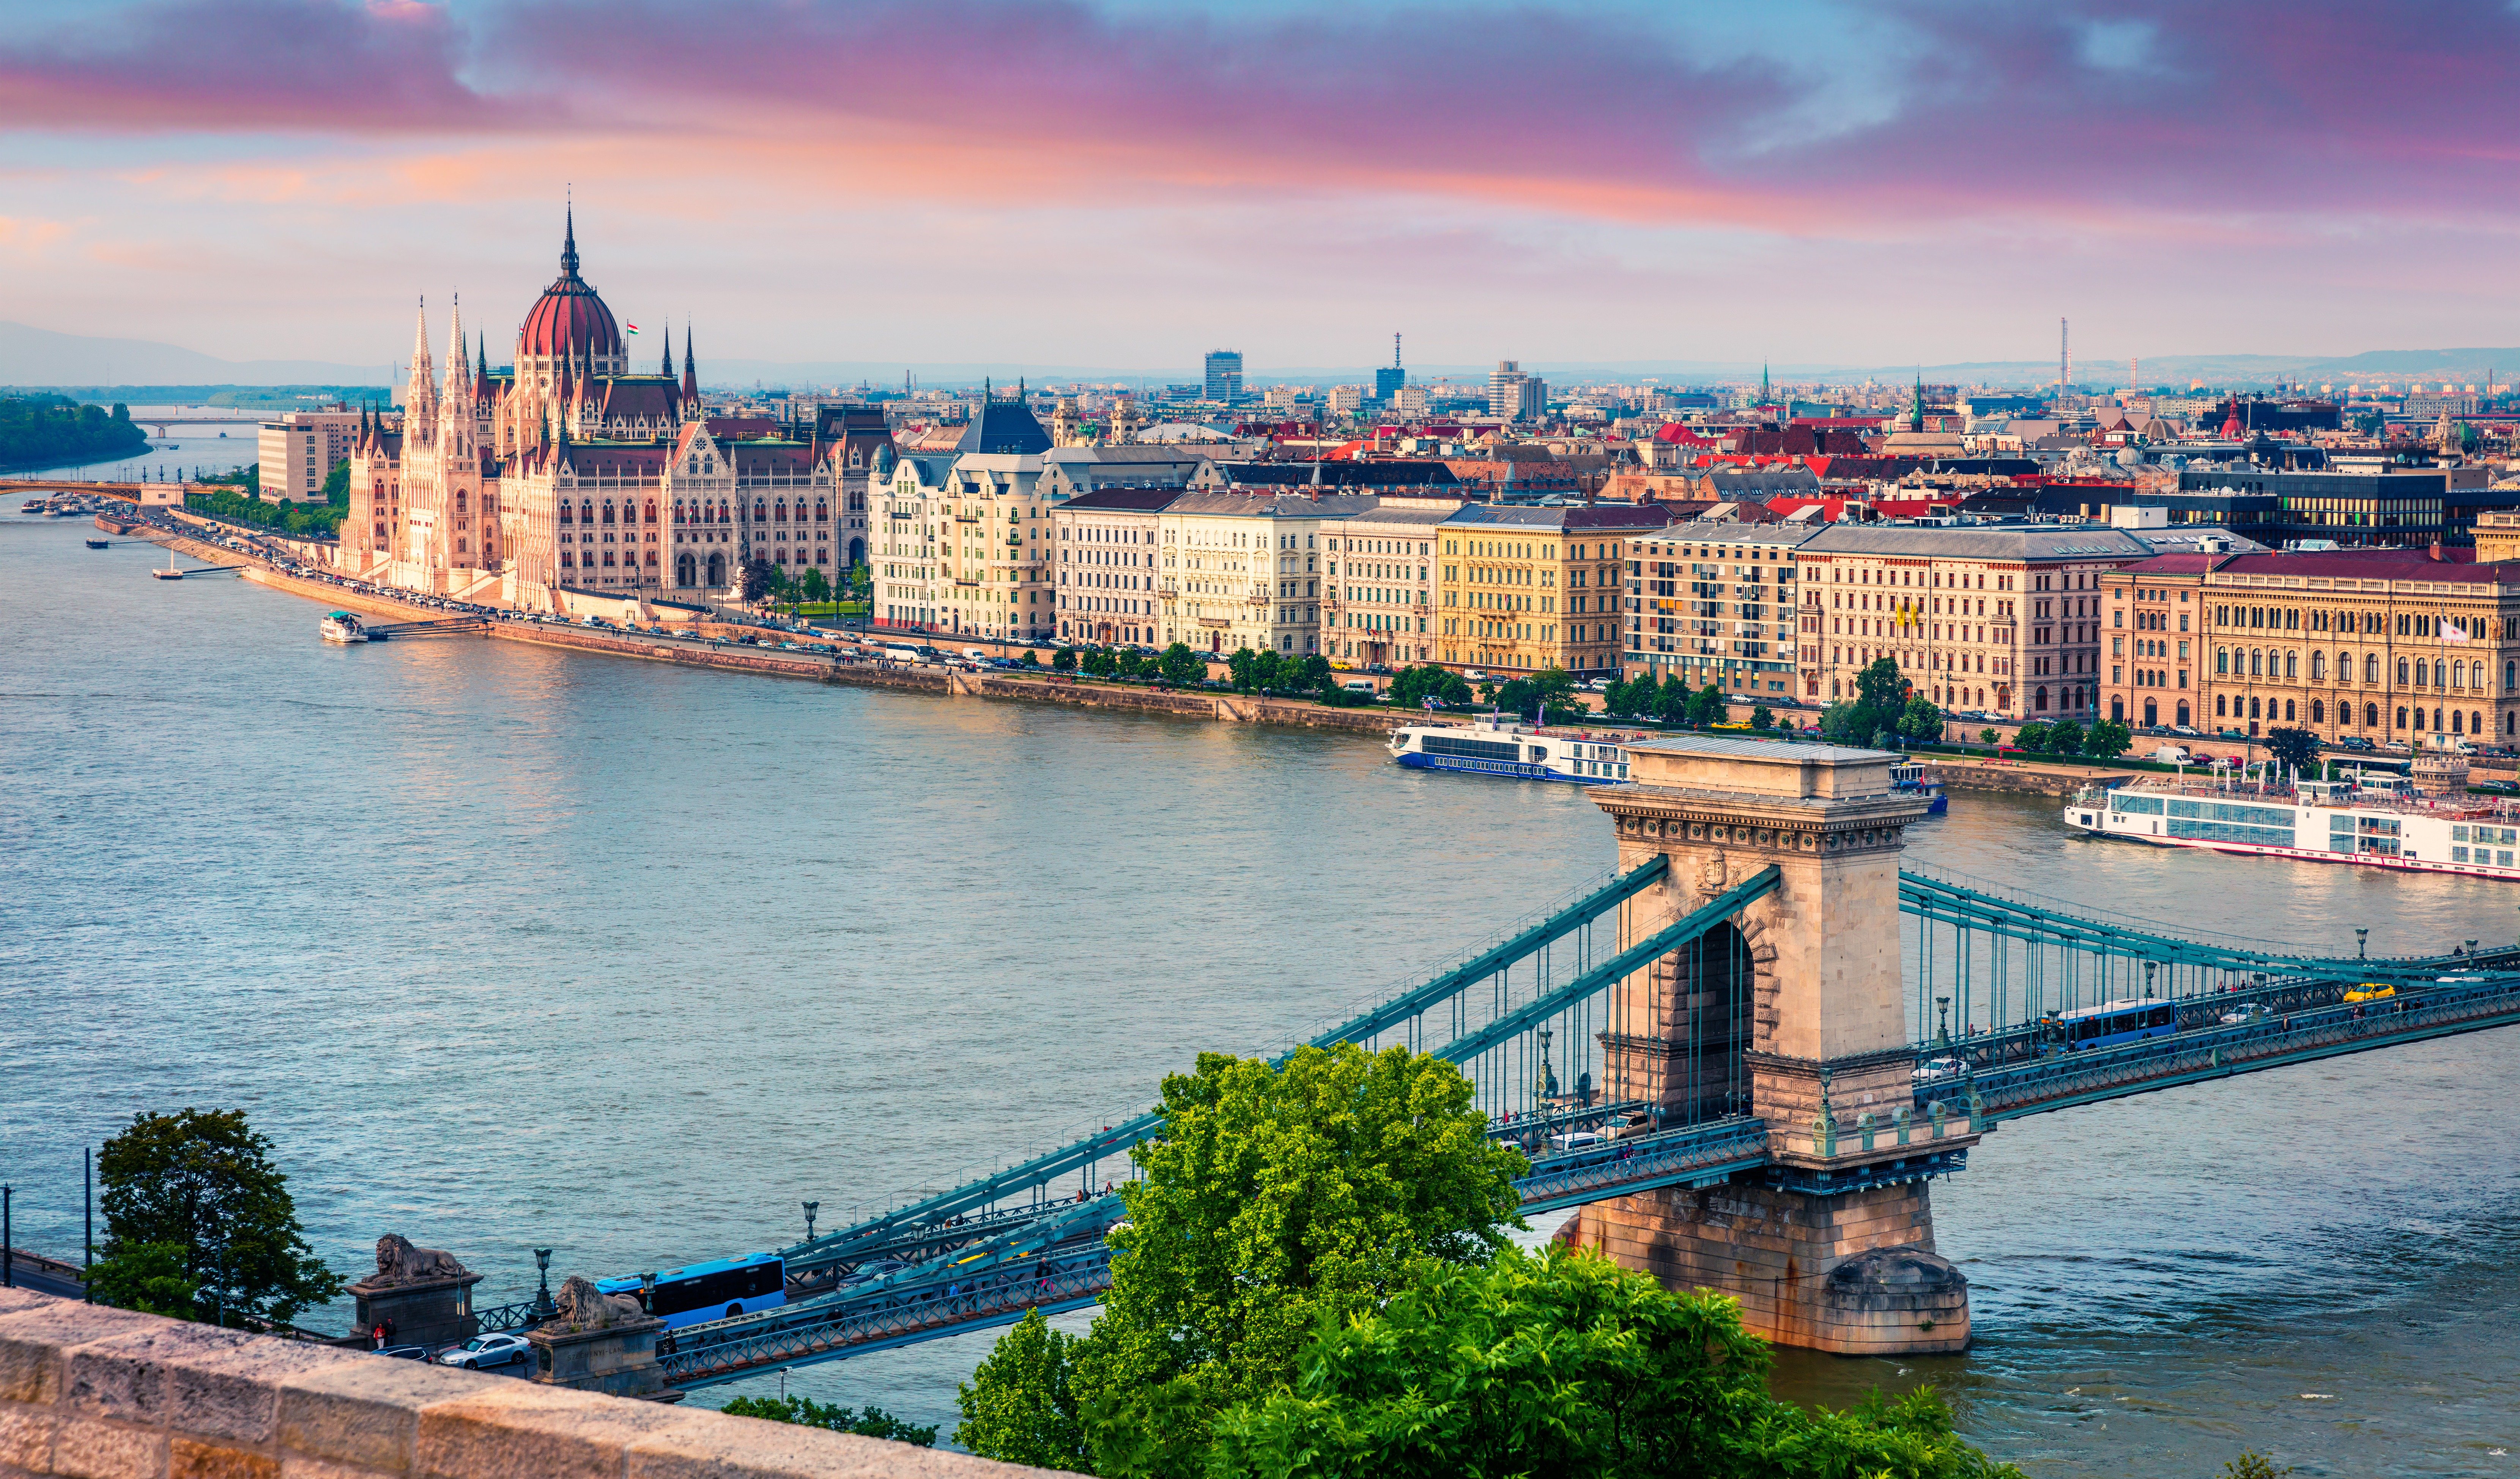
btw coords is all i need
(901, 654)
(2167, 754)
(1358, 685)
(976, 655)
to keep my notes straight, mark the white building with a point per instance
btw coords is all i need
(1240, 571)
(1378, 582)
(1105, 570)
(297, 452)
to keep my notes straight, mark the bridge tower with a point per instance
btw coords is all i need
(1795, 1014)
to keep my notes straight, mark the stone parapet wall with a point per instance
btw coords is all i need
(96, 1393)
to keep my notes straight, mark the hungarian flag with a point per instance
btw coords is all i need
(630, 328)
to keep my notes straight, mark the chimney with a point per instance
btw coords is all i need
(2435, 552)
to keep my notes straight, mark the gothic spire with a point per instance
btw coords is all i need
(691, 370)
(668, 371)
(569, 243)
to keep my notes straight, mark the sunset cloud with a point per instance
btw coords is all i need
(1992, 145)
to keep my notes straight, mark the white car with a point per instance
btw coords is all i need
(482, 1352)
(1935, 1070)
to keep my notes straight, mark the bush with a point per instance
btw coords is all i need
(874, 1422)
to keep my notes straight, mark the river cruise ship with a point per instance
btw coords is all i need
(1504, 745)
(2377, 821)
(341, 627)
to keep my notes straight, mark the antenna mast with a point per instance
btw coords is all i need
(2064, 358)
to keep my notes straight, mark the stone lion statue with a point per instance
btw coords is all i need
(401, 1261)
(584, 1307)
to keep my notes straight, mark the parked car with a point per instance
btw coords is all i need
(404, 1353)
(1935, 1070)
(484, 1351)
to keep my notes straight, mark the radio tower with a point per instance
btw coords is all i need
(1395, 351)
(2064, 358)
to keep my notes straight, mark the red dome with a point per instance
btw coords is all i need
(569, 319)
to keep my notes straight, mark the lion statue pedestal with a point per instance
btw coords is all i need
(600, 1343)
(422, 1295)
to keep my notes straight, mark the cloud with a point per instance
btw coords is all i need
(240, 65)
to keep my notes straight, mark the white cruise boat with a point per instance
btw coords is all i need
(343, 627)
(1504, 745)
(2376, 820)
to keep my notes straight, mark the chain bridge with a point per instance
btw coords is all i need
(1743, 1054)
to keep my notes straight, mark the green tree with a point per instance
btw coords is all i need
(1563, 1363)
(813, 586)
(1129, 662)
(1846, 722)
(1705, 707)
(1882, 688)
(1064, 660)
(1988, 737)
(1181, 666)
(759, 578)
(1920, 721)
(1279, 1198)
(2032, 736)
(2290, 747)
(1242, 669)
(1617, 700)
(2252, 1464)
(1020, 1408)
(1098, 661)
(336, 485)
(1552, 692)
(1412, 687)
(874, 1422)
(2107, 739)
(2064, 737)
(203, 1181)
(1762, 718)
(145, 1276)
(1311, 672)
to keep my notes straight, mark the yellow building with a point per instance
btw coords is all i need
(1525, 588)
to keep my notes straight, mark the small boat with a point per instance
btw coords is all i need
(98, 544)
(1913, 779)
(343, 627)
(170, 572)
(32, 505)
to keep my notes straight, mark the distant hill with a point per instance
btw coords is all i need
(40, 357)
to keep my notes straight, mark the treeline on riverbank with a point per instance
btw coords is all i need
(49, 430)
(242, 503)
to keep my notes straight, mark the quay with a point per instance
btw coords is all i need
(711, 644)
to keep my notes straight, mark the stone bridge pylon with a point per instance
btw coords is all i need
(1794, 1012)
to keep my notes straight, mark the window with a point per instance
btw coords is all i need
(2370, 668)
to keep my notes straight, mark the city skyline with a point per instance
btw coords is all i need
(1119, 184)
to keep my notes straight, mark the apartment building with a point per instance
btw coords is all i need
(1104, 566)
(1523, 589)
(296, 452)
(1380, 584)
(2001, 619)
(1715, 602)
(907, 490)
(2384, 644)
(1240, 571)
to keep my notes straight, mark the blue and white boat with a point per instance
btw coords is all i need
(1913, 779)
(1500, 745)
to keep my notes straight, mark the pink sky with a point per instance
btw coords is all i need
(1128, 184)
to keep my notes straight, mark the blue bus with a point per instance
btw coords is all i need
(2113, 1022)
(722, 1289)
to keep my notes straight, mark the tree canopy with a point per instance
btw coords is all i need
(2293, 746)
(203, 1181)
(874, 1422)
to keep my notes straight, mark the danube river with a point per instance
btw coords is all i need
(506, 947)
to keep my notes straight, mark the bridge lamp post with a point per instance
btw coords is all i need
(2361, 937)
(2150, 966)
(811, 1208)
(543, 1309)
(1943, 1033)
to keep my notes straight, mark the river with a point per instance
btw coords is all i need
(199, 441)
(506, 947)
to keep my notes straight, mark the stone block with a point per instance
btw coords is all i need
(26, 1438)
(364, 1410)
(33, 1338)
(299, 1466)
(191, 1378)
(746, 1448)
(85, 1449)
(190, 1458)
(520, 1430)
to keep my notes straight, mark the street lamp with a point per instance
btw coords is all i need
(1943, 1034)
(811, 1208)
(543, 1308)
(2148, 968)
(2361, 937)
